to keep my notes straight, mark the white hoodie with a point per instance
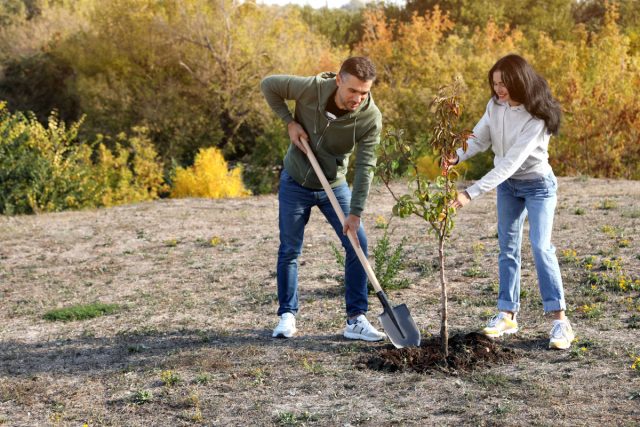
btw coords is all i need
(519, 141)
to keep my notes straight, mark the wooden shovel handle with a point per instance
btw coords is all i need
(336, 206)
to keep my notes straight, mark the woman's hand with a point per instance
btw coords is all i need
(462, 200)
(451, 161)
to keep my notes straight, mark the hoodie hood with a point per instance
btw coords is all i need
(326, 87)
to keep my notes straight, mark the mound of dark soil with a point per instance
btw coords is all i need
(466, 352)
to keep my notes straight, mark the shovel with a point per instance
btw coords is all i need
(396, 321)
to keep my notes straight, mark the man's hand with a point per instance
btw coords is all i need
(296, 132)
(351, 225)
(462, 200)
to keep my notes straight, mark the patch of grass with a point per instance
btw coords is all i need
(610, 230)
(476, 270)
(215, 241)
(313, 367)
(259, 375)
(579, 211)
(337, 253)
(287, 418)
(580, 348)
(578, 352)
(591, 311)
(423, 267)
(203, 379)
(141, 397)
(381, 222)
(352, 348)
(81, 312)
(137, 348)
(490, 380)
(171, 243)
(624, 242)
(503, 409)
(569, 256)
(169, 378)
(634, 214)
(491, 289)
(608, 204)
(255, 295)
(634, 322)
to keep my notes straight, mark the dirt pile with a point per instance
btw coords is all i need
(466, 352)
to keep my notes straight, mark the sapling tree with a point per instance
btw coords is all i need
(429, 199)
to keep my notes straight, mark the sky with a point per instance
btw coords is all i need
(317, 3)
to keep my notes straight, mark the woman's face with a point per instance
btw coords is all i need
(501, 90)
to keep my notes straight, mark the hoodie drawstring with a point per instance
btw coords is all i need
(315, 122)
(355, 122)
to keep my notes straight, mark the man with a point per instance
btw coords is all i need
(337, 116)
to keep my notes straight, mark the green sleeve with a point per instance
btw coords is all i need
(279, 88)
(365, 164)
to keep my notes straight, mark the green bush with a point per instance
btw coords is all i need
(45, 169)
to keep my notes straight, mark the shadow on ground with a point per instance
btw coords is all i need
(126, 351)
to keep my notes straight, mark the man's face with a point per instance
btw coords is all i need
(351, 91)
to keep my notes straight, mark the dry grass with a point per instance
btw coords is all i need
(195, 281)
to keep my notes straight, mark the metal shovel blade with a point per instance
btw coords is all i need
(399, 325)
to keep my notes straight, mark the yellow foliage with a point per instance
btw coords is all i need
(129, 174)
(429, 167)
(50, 169)
(209, 177)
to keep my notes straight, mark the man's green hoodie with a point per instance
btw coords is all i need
(333, 141)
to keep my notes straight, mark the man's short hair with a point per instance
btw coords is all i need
(360, 67)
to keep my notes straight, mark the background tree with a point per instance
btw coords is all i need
(189, 72)
(596, 81)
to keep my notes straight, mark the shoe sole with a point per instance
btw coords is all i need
(498, 335)
(283, 335)
(353, 336)
(559, 346)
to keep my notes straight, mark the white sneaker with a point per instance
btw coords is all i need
(561, 335)
(363, 330)
(287, 326)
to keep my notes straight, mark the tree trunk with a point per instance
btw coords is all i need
(444, 329)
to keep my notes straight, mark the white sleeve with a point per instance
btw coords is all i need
(529, 138)
(480, 141)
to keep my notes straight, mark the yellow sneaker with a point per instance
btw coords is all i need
(500, 324)
(561, 335)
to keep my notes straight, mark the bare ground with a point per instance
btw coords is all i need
(196, 283)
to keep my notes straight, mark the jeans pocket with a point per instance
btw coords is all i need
(552, 181)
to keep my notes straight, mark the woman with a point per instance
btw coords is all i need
(517, 124)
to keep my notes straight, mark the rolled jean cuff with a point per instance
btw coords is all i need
(550, 306)
(509, 306)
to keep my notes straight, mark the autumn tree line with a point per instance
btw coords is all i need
(158, 81)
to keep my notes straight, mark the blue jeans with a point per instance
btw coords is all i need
(295, 203)
(516, 199)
